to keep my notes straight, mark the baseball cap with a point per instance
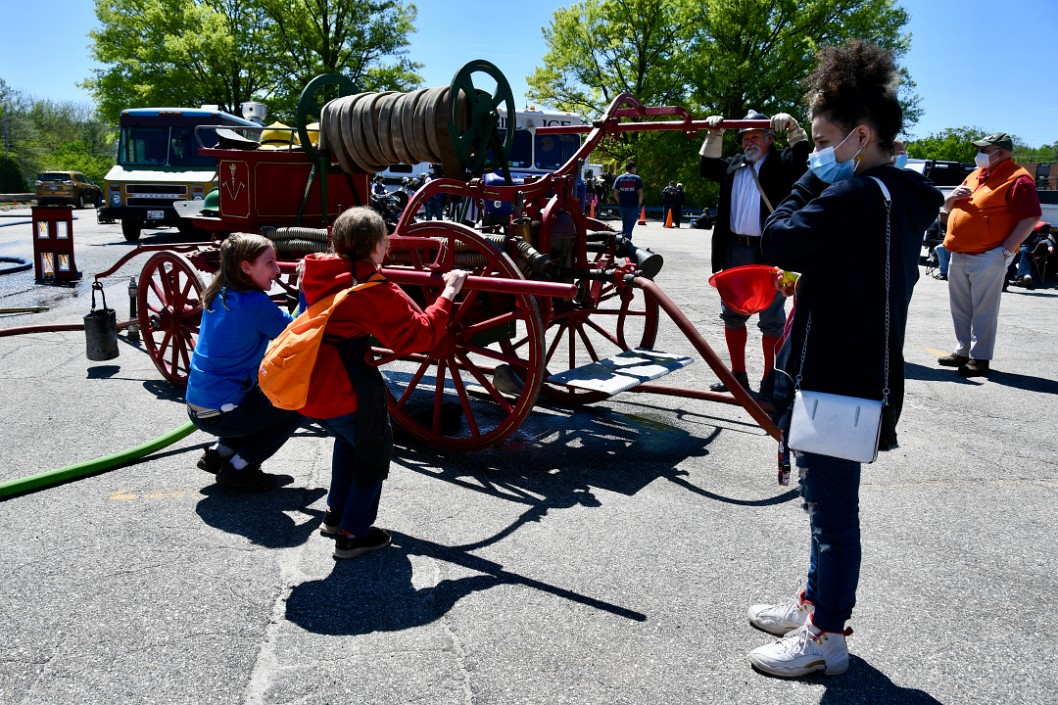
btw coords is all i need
(999, 139)
(754, 115)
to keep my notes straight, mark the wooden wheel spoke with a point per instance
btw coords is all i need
(488, 386)
(186, 288)
(587, 344)
(558, 339)
(497, 355)
(603, 332)
(413, 384)
(464, 402)
(156, 287)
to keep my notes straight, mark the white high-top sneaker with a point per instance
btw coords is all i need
(783, 618)
(804, 651)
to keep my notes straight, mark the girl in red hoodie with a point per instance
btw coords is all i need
(346, 393)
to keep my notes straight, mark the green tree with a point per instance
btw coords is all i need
(179, 53)
(757, 53)
(19, 133)
(226, 52)
(1024, 154)
(956, 144)
(951, 144)
(11, 179)
(76, 156)
(46, 134)
(598, 49)
(336, 36)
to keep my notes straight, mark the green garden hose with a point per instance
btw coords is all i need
(12, 488)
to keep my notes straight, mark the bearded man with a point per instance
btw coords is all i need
(752, 183)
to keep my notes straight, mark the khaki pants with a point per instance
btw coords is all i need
(975, 286)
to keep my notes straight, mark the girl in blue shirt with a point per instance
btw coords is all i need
(223, 399)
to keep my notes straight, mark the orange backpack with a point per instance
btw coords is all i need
(286, 368)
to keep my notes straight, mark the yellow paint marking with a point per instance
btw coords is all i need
(934, 351)
(126, 496)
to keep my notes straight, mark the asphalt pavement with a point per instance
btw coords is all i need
(601, 555)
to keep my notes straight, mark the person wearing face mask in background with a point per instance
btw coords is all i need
(899, 154)
(989, 216)
(935, 233)
(752, 183)
(834, 215)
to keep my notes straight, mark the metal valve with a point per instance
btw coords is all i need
(133, 331)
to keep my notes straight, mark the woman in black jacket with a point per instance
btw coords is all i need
(833, 230)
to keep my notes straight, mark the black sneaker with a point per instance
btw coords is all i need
(211, 461)
(741, 377)
(249, 478)
(974, 368)
(329, 527)
(374, 539)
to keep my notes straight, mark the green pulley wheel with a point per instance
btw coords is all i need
(482, 127)
(310, 107)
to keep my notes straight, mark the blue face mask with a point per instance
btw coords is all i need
(900, 161)
(825, 165)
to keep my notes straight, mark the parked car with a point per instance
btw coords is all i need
(72, 187)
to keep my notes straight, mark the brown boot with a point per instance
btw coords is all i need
(953, 360)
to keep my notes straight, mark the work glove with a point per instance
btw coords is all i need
(713, 146)
(781, 122)
(794, 132)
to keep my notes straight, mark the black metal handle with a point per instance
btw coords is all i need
(98, 286)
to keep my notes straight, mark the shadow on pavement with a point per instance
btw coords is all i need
(557, 459)
(996, 376)
(864, 683)
(861, 684)
(375, 593)
(262, 516)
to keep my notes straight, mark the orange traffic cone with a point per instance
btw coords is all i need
(591, 209)
(643, 216)
(668, 219)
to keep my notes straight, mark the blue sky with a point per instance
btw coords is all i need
(975, 62)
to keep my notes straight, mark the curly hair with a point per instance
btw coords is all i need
(856, 83)
(356, 232)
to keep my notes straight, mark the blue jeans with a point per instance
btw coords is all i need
(434, 209)
(254, 429)
(358, 506)
(629, 218)
(943, 258)
(1025, 261)
(830, 489)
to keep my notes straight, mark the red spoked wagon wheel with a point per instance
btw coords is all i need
(169, 307)
(611, 318)
(468, 393)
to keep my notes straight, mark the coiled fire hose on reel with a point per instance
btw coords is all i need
(453, 126)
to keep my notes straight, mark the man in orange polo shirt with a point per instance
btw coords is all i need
(989, 216)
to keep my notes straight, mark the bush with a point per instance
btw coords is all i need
(11, 180)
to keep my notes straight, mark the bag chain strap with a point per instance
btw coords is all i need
(888, 274)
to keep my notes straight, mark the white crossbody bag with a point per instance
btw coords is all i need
(836, 425)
